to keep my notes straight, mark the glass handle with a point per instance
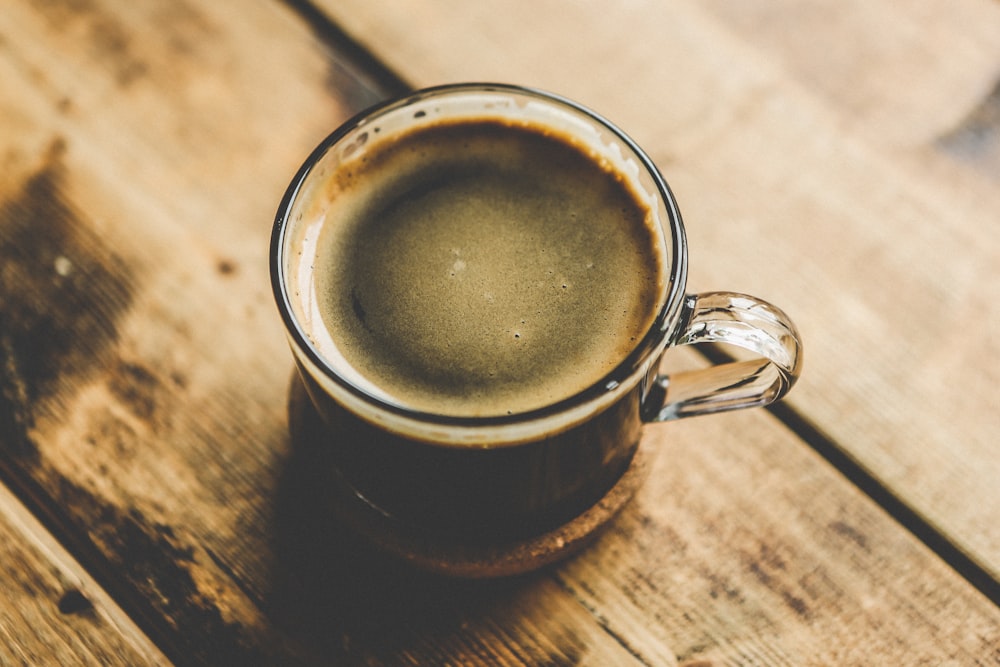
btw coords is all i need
(736, 319)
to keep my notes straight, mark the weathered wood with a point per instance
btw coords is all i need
(51, 611)
(748, 536)
(144, 371)
(729, 555)
(837, 159)
(145, 375)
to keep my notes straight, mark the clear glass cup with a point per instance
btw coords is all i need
(518, 475)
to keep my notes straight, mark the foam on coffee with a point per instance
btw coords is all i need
(479, 267)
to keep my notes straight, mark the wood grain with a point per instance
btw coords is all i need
(145, 373)
(741, 539)
(828, 158)
(51, 611)
(136, 210)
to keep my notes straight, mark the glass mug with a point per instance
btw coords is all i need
(512, 478)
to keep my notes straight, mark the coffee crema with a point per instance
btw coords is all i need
(480, 267)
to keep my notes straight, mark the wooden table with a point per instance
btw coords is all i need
(841, 159)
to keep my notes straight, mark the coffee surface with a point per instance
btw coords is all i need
(481, 268)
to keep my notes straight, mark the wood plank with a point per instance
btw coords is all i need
(827, 159)
(747, 550)
(135, 181)
(890, 83)
(145, 372)
(51, 610)
(729, 555)
(145, 377)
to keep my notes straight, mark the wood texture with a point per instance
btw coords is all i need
(51, 611)
(144, 371)
(838, 159)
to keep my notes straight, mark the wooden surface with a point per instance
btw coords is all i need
(839, 159)
(52, 610)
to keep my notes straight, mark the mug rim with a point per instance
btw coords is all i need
(626, 373)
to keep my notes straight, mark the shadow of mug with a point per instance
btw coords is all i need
(335, 593)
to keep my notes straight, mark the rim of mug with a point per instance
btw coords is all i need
(629, 371)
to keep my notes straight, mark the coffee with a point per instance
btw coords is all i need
(481, 267)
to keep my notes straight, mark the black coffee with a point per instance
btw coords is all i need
(479, 268)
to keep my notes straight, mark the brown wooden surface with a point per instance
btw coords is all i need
(825, 159)
(839, 159)
(51, 610)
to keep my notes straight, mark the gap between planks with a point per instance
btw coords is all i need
(82, 591)
(46, 519)
(871, 486)
(365, 66)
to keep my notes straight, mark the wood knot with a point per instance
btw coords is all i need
(74, 602)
